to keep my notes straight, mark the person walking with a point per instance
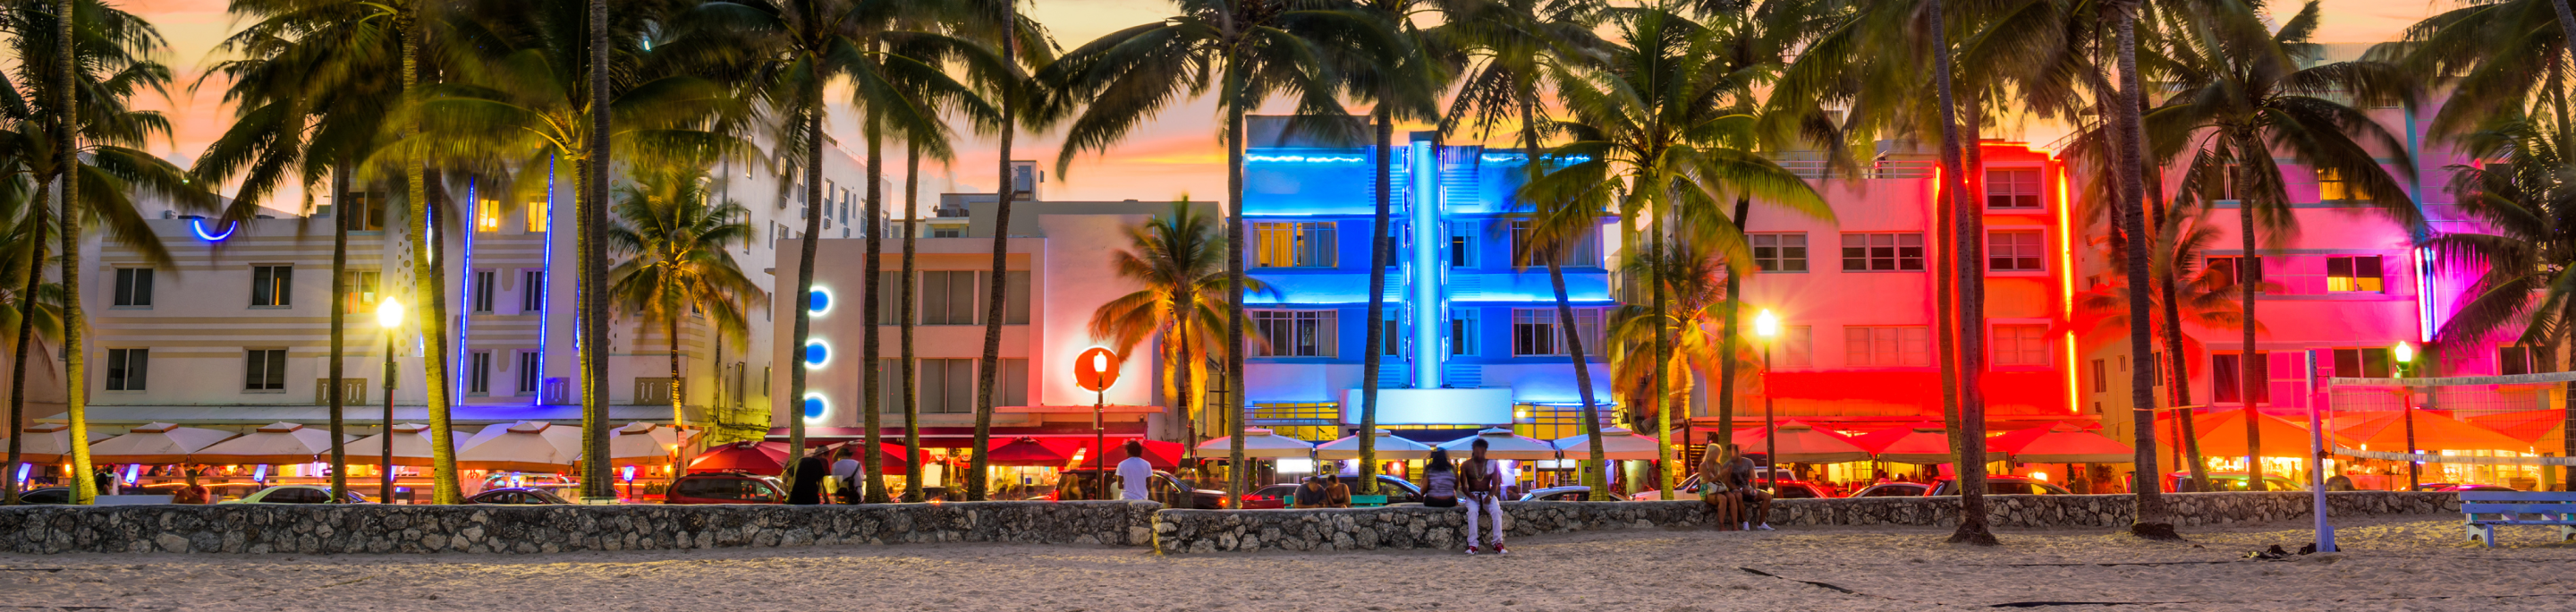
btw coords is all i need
(1439, 481)
(1135, 473)
(1482, 482)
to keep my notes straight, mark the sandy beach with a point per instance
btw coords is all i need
(2388, 565)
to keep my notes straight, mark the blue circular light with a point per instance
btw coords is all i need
(816, 353)
(819, 301)
(813, 406)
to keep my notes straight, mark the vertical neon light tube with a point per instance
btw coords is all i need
(2066, 289)
(548, 265)
(465, 323)
(2424, 294)
(1423, 210)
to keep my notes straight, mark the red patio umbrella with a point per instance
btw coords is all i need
(890, 457)
(2012, 441)
(2432, 432)
(1026, 452)
(1162, 455)
(1802, 443)
(768, 458)
(2526, 425)
(1878, 440)
(1923, 444)
(2068, 443)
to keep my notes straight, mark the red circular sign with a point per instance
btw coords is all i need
(1096, 369)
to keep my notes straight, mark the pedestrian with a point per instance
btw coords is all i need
(1716, 488)
(104, 481)
(1439, 481)
(190, 494)
(1482, 481)
(1135, 473)
(808, 488)
(846, 472)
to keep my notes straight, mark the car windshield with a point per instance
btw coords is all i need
(1894, 490)
(736, 489)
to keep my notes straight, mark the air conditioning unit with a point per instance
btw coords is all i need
(558, 390)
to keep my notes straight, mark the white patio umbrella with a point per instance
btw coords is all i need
(272, 444)
(1389, 448)
(641, 443)
(525, 446)
(1258, 443)
(155, 444)
(1502, 444)
(411, 447)
(1617, 443)
(50, 442)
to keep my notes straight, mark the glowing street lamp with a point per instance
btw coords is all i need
(389, 317)
(1767, 327)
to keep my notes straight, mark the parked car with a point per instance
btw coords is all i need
(2229, 481)
(1172, 491)
(2445, 487)
(522, 480)
(2002, 485)
(1894, 489)
(726, 488)
(1397, 491)
(516, 496)
(295, 494)
(1571, 493)
(47, 496)
(1789, 489)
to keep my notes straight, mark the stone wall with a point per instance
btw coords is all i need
(1203, 531)
(543, 529)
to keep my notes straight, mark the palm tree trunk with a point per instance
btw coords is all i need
(1729, 332)
(75, 358)
(26, 335)
(872, 380)
(435, 311)
(679, 392)
(796, 416)
(911, 383)
(2250, 363)
(2168, 284)
(1238, 472)
(338, 310)
(594, 423)
(1183, 400)
(1374, 353)
(1968, 263)
(2153, 521)
(1662, 316)
(989, 369)
(1582, 373)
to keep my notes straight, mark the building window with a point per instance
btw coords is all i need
(1462, 331)
(2220, 184)
(532, 372)
(2333, 187)
(1462, 244)
(947, 386)
(2511, 360)
(353, 391)
(948, 231)
(2226, 271)
(478, 373)
(2228, 369)
(264, 370)
(532, 291)
(890, 298)
(2012, 188)
(133, 287)
(1015, 297)
(948, 298)
(1295, 333)
(537, 217)
(2355, 274)
(487, 216)
(364, 212)
(1797, 348)
(2015, 251)
(128, 369)
(483, 289)
(1585, 252)
(1535, 332)
(1390, 332)
(652, 391)
(1886, 345)
(1780, 252)
(360, 292)
(2021, 345)
(1292, 245)
(1883, 252)
(2363, 363)
(2101, 377)
(271, 285)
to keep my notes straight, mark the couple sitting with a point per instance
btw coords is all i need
(1726, 485)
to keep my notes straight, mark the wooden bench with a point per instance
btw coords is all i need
(2518, 508)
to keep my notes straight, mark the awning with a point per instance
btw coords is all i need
(362, 414)
(959, 437)
(155, 444)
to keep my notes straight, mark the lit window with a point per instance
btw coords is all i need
(2333, 187)
(537, 217)
(2016, 251)
(1293, 245)
(487, 216)
(2012, 188)
(2357, 274)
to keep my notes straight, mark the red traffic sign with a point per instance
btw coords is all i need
(1096, 369)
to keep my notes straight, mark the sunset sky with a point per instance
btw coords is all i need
(1178, 155)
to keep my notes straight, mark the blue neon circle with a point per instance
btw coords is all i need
(816, 353)
(813, 406)
(818, 301)
(199, 225)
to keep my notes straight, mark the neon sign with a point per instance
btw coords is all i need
(199, 226)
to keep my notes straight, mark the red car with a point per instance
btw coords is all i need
(726, 488)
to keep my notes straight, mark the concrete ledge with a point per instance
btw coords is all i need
(257, 529)
(1205, 531)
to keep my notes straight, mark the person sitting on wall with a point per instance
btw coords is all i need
(1757, 502)
(1716, 488)
(1336, 494)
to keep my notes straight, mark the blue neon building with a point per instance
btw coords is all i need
(1473, 338)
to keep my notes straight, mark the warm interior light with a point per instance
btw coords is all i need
(2405, 353)
(1766, 324)
(389, 313)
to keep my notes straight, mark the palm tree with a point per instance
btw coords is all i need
(1021, 46)
(1652, 140)
(2190, 291)
(1696, 284)
(2520, 194)
(54, 142)
(23, 319)
(1408, 90)
(1250, 51)
(1177, 258)
(2241, 100)
(674, 235)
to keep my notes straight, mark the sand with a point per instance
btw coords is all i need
(2387, 565)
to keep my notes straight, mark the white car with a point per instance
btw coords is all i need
(295, 494)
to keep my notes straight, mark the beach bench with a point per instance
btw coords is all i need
(2518, 508)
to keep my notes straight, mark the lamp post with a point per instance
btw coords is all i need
(2405, 360)
(389, 317)
(1767, 327)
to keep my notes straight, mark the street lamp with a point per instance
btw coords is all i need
(389, 317)
(2405, 355)
(1767, 327)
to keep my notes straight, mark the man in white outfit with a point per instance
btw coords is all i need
(1134, 473)
(1480, 484)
